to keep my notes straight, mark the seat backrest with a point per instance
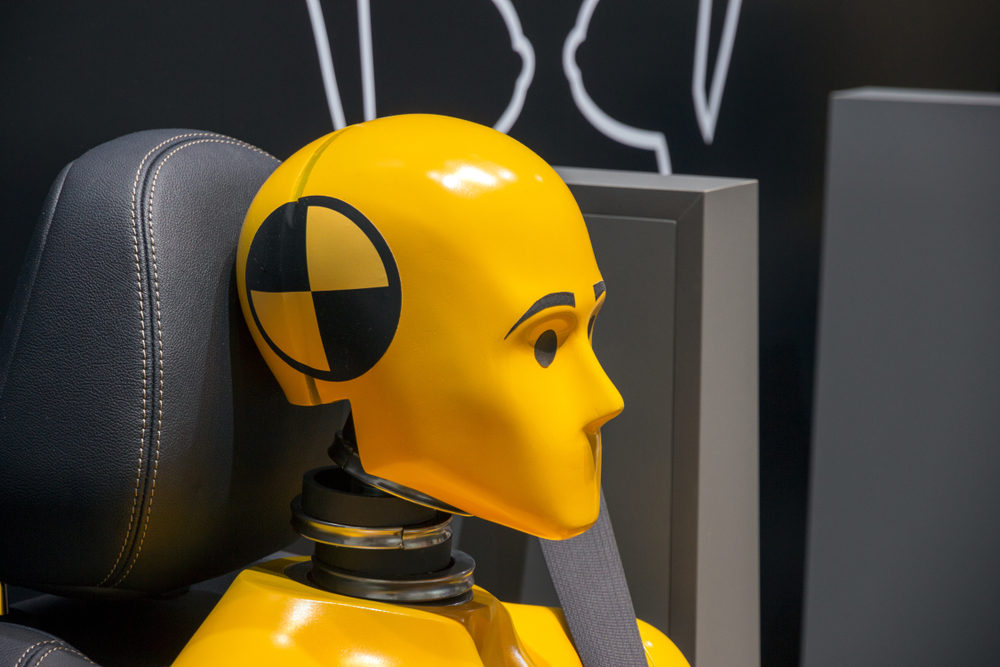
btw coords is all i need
(22, 646)
(144, 445)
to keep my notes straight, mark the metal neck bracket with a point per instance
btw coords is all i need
(377, 546)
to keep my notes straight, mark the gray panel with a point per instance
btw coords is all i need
(725, 454)
(905, 507)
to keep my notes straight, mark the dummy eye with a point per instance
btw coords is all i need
(545, 348)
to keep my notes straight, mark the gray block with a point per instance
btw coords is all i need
(904, 546)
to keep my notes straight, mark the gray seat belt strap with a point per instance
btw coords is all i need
(589, 579)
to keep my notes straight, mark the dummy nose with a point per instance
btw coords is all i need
(607, 400)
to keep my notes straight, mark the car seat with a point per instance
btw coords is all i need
(144, 446)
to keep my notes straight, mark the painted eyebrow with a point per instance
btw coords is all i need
(547, 301)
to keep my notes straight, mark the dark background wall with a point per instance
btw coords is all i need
(75, 74)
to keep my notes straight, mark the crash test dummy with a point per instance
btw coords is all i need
(438, 275)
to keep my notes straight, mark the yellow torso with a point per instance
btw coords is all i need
(267, 618)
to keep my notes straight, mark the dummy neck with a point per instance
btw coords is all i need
(372, 545)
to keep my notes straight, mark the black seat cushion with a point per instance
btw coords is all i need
(144, 445)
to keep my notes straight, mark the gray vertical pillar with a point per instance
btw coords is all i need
(903, 564)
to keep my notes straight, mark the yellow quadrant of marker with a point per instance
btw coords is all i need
(339, 254)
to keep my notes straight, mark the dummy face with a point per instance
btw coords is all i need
(472, 287)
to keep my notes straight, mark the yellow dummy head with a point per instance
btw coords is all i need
(438, 274)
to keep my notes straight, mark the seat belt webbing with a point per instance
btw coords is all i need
(589, 579)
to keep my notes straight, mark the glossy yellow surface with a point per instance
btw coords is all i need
(459, 406)
(269, 619)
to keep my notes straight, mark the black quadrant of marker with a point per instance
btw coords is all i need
(356, 326)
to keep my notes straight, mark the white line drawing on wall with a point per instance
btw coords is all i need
(707, 110)
(326, 64)
(522, 47)
(519, 43)
(706, 102)
(367, 58)
(706, 106)
(608, 126)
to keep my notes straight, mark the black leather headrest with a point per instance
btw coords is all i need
(144, 445)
